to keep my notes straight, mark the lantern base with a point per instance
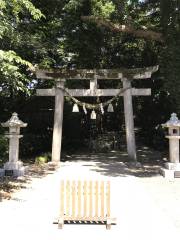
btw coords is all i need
(171, 170)
(172, 166)
(13, 165)
(166, 173)
(14, 169)
(2, 172)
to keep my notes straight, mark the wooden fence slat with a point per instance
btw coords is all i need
(90, 199)
(108, 198)
(79, 198)
(102, 199)
(68, 198)
(62, 199)
(85, 199)
(96, 196)
(73, 199)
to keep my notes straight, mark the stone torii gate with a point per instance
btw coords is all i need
(125, 75)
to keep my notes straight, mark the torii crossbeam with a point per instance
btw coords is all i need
(125, 75)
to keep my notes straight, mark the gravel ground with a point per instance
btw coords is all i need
(145, 204)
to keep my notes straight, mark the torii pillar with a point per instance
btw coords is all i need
(58, 121)
(129, 119)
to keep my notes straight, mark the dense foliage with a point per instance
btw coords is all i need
(55, 34)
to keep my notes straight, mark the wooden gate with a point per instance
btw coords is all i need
(85, 202)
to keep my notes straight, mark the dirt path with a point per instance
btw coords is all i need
(145, 207)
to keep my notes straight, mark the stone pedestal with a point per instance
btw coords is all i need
(1, 172)
(17, 168)
(173, 148)
(13, 167)
(171, 170)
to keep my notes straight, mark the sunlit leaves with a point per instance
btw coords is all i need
(11, 77)
(35, 13)
(103, 8)
(14, 70)
(12, 57)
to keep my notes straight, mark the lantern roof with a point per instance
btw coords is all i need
(173, 122)
(14, 121)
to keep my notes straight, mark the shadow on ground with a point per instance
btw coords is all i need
(8, 185)
(116, 163)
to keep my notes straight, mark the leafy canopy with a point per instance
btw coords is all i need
(13, 68)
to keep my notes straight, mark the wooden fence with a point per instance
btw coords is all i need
(85, 202)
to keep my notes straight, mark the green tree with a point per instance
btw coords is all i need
(88, 34)
(14, 68)
(170, 56)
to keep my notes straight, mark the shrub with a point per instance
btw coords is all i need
(40, 160)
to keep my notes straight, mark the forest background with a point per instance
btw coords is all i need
(87, 34)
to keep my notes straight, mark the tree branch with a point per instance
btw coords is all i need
(140, 33)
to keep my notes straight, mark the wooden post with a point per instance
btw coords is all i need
(96, 187)
(68, 198)
(102, 199)
(85, 199)
(108, 223)
(58, 121)
(129, 120)
(79, 199)
(90, 200)
(73, 197)
(61, 214)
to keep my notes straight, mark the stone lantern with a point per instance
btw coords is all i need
(14, 167)
(172, 168)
